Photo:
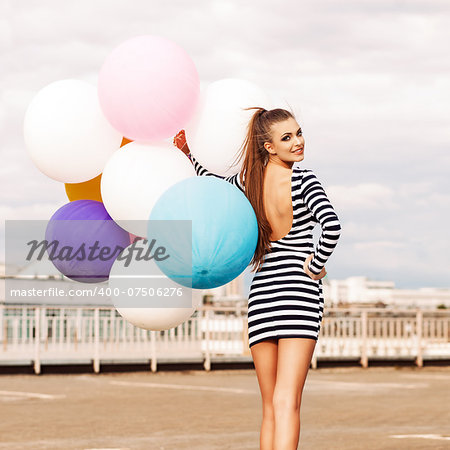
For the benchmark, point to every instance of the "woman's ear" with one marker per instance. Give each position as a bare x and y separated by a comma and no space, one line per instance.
269,147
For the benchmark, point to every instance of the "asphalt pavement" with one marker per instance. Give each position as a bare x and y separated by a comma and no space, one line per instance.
342,408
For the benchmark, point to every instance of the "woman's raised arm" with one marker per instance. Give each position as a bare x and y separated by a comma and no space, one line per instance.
180,142
200,170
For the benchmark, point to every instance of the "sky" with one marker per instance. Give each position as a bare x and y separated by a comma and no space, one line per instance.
369,82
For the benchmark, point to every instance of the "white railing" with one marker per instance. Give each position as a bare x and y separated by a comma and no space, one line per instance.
68,335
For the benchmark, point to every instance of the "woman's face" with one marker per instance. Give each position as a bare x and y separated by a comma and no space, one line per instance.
287,141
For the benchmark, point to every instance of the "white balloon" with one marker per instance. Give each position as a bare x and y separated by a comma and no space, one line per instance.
219,126
66,134
147,298
136,176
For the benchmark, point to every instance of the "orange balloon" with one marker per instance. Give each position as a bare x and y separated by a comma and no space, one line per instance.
88,190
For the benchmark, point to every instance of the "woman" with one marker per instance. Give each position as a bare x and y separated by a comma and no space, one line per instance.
285,305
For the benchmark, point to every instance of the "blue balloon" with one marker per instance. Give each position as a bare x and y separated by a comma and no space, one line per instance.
212,233
84,241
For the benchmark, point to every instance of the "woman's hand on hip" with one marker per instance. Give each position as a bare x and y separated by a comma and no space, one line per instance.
313,276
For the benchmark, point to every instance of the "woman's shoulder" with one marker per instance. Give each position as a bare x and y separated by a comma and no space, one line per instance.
302,171
303,176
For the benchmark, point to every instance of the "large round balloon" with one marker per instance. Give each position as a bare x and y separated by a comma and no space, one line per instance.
209,230
135,177
86,241
88,190
148,88
66,133
218,128
144,296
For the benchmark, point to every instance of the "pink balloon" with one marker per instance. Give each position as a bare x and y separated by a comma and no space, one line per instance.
148,88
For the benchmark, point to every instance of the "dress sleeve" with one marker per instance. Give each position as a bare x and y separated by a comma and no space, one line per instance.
200,170
318,204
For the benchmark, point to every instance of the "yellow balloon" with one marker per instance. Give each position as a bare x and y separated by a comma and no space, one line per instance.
88,190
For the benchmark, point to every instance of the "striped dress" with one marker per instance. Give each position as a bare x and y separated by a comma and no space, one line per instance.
284,302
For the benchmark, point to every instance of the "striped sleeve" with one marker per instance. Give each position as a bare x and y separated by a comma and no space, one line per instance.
200,170
318,204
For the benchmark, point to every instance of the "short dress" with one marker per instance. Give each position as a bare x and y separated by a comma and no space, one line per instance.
284,302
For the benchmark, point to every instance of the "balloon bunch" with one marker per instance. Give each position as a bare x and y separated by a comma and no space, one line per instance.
111,147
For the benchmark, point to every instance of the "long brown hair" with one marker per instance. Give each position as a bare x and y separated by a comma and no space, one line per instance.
255,160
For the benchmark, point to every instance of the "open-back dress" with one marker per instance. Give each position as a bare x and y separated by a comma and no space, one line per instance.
284,302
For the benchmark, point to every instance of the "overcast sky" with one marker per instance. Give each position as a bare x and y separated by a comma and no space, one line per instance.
368,80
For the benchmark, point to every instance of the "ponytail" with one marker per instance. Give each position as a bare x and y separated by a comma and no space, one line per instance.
253,167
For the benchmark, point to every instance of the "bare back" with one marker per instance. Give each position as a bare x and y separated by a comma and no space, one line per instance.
277,198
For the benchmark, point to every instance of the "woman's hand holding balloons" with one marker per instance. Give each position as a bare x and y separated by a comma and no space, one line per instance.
180,142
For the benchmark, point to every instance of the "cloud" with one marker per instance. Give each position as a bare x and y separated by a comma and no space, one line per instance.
369,82
363,196
379,246
366,231
36,211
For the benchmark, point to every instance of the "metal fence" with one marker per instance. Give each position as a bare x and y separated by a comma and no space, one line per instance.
99,335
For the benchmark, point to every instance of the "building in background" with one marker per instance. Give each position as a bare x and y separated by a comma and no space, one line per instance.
359,291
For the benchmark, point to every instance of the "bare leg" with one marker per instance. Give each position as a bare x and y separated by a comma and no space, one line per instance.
264,356
294,358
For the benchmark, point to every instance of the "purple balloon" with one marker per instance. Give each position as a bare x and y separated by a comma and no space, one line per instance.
83,241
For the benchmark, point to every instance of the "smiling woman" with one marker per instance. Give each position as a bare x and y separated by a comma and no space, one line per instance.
285,304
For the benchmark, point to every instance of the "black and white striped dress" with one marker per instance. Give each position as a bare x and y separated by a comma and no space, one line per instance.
284,302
